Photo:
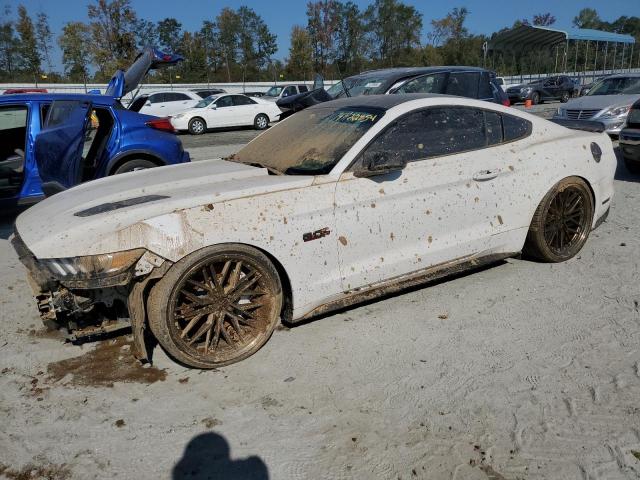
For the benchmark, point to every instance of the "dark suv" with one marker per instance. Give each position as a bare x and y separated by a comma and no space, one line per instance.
471,82
558,87
630,139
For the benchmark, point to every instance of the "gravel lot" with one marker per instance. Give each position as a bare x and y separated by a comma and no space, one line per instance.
519,371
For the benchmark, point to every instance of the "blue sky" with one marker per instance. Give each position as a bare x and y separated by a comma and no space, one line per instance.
485,16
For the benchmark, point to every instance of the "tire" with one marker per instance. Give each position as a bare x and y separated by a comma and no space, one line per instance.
565,97
633,167
230,327
197,126
261,121
535,98
562,222
134,165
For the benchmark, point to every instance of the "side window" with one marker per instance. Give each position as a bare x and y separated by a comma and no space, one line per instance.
224,102
493,125
242,100
463,84
431,133
515,128
291,90
156,98
303,88
175,97
484,90
424,84
62,111
44,110
13,116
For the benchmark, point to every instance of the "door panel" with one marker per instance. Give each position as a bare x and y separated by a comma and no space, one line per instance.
59,145
435,210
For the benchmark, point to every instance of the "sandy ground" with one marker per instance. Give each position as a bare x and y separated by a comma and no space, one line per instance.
519,371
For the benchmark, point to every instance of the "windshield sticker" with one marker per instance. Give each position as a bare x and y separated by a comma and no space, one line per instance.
352,117
373,85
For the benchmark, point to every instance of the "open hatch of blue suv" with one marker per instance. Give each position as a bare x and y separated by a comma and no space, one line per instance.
50,142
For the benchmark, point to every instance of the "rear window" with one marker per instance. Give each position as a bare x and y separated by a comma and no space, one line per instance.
464,84
515,128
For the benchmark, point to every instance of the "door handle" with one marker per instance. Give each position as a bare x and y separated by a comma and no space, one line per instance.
484,175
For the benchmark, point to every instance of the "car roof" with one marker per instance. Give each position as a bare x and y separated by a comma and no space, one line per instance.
410,71
50,97
384,102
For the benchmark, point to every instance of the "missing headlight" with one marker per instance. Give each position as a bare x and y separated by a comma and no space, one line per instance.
596,151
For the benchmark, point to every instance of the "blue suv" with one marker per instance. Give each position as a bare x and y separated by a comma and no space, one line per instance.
50,142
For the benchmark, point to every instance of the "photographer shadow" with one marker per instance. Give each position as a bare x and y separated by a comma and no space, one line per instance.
207,456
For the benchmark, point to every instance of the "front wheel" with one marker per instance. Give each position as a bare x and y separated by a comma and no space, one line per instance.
261,122
562,222
535,98
197,126
216,306
134,165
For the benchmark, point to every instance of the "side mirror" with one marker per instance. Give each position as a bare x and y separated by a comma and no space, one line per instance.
379,163
213,106
148,104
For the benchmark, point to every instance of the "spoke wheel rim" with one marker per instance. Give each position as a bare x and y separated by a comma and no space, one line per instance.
566,223
262,122
221,309
197,126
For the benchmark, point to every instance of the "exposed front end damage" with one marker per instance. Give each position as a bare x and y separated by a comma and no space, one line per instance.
75,295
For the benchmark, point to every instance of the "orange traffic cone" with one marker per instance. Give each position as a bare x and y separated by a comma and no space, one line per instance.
527,104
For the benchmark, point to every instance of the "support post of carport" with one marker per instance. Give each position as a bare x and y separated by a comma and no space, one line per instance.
555,68
631,58
624,48
575,64
595,61
615,53
604,66
586,58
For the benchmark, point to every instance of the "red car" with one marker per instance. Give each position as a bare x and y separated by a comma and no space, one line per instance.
13,91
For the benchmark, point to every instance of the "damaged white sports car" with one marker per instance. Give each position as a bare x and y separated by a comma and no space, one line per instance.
341,202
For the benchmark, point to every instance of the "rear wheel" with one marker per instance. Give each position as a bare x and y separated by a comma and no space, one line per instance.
562,222
261,122
216,306
197,126
134,165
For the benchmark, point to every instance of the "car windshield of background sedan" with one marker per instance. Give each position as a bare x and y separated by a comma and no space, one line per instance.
311,143
616,86
366,85
206,102
273,92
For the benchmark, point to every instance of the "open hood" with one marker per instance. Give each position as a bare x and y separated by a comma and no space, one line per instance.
149,59
294,103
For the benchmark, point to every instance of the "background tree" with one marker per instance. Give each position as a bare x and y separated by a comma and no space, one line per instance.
113,25
169,34
322,24
28,52
8,46
394,30
300,61
351,47
44,37
587,18
147,34
544,19
74,43
228,24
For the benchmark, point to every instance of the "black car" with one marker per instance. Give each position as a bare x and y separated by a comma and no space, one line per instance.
471,82
630,139
559,87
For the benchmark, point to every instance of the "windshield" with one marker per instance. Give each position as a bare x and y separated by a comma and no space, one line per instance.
616,86
365,85
206,102
312,142
273,92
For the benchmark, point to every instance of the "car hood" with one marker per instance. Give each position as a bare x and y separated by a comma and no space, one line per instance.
99,216
600,102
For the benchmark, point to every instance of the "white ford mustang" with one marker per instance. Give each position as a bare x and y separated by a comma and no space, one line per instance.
341,202
219,111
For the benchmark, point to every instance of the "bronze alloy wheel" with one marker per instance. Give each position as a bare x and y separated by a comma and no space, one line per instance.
220,307
566,222
562,222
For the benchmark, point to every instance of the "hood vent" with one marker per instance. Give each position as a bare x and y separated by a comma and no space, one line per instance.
110,207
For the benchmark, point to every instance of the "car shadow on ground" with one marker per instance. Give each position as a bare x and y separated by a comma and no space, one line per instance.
7,221
207,456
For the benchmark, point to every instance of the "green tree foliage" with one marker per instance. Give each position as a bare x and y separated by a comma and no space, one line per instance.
544,19
113,25
44,36
587,18
8,46
300,61
28,53
74,43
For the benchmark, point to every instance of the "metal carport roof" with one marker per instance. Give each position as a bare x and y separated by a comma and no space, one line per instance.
532,36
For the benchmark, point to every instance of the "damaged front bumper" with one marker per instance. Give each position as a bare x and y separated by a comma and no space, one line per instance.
73,295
